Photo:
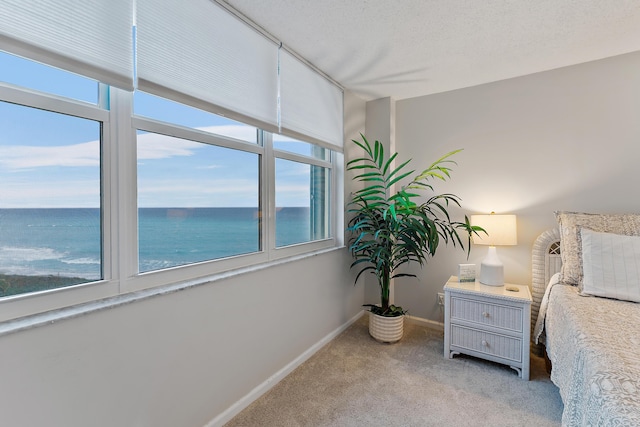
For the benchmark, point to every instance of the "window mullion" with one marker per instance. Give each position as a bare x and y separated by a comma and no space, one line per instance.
336,200
150,125
302,159
107,173
268,194
124,251
51,102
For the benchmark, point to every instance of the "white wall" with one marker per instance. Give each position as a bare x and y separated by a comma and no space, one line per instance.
566,139
180,359
379,126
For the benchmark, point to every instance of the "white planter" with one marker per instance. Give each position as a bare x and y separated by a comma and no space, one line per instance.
386,329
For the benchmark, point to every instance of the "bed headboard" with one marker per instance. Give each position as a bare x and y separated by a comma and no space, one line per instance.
545,263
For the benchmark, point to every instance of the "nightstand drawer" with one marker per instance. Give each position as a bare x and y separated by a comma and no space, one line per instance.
489,322
487,343
484,313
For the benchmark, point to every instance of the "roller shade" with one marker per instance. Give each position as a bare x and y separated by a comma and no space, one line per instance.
89,37
310,105
199,54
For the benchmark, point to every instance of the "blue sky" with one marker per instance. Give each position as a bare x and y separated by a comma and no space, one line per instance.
52,160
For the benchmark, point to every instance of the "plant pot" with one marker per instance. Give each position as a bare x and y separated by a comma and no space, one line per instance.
386,329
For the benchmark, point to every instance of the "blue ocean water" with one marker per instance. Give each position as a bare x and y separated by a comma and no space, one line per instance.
66,242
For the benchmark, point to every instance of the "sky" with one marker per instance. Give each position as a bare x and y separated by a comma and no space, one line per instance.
53,160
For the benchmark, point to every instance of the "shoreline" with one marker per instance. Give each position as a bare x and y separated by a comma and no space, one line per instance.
15,284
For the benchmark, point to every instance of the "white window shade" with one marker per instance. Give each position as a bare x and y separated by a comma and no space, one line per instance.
88,37
310,105
199,54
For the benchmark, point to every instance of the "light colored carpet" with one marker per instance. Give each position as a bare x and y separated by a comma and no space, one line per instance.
356,381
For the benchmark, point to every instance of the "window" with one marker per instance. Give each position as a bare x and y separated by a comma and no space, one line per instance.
199,193
196,202
50,185
283,143
106,190
162,109
302,186
198,196
33,75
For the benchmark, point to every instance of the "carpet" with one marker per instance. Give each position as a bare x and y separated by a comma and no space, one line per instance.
356,381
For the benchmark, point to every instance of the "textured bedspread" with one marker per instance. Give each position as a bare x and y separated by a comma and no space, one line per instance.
594,346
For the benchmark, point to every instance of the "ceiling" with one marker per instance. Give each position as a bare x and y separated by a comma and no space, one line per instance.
409,48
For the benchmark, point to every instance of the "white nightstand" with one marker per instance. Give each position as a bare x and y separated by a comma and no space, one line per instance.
491,322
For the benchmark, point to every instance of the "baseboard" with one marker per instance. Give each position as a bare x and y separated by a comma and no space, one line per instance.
254,394
425,322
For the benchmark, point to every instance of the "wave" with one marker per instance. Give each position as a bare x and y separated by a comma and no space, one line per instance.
44,261
13,254
81,261
27,270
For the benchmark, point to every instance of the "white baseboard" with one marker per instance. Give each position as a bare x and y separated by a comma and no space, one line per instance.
425,322
254,394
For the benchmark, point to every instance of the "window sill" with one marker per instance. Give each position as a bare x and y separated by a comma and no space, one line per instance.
41,319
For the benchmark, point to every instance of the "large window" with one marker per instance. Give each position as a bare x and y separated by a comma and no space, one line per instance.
113,182
199,188
302,182
198,198
302,192
196,202
50,184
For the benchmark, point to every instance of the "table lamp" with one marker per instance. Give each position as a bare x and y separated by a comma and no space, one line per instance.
501,231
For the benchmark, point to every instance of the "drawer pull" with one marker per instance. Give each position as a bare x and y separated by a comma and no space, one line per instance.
485,314
485,343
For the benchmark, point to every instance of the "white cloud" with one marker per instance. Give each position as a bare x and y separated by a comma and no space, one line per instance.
150,146
213,192
64,188
28,157
54,193
155,146
285,168
214,186
209,167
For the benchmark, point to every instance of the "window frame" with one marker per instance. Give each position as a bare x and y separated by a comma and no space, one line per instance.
264,148
285,251
137,280
34,302
119,203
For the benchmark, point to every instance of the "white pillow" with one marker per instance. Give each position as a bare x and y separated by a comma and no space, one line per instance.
611,265
570,224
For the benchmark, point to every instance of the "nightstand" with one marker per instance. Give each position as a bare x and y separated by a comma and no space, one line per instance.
490,322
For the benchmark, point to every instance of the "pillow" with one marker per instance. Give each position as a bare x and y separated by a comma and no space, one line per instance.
570,224
611,265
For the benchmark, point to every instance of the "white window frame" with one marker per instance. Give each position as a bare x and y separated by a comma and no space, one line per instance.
330,241
138,281
119,204
30,303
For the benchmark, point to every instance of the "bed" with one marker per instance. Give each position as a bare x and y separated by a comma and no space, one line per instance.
586,291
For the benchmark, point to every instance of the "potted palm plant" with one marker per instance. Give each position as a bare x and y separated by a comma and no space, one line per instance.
389,229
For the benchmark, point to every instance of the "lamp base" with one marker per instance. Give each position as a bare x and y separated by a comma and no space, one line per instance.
491,275
491,269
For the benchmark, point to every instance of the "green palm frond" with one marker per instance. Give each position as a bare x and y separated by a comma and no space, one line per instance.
389,230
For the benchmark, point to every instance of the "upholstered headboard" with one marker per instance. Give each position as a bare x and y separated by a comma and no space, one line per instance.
545,263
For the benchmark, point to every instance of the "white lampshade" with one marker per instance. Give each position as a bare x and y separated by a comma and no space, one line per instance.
501,231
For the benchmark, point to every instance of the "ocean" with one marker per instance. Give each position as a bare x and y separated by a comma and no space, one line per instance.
66,242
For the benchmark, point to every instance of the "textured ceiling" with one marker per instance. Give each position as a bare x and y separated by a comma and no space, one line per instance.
408,48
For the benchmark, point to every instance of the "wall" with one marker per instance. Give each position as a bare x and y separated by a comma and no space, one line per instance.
181,359
379,126
566,139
